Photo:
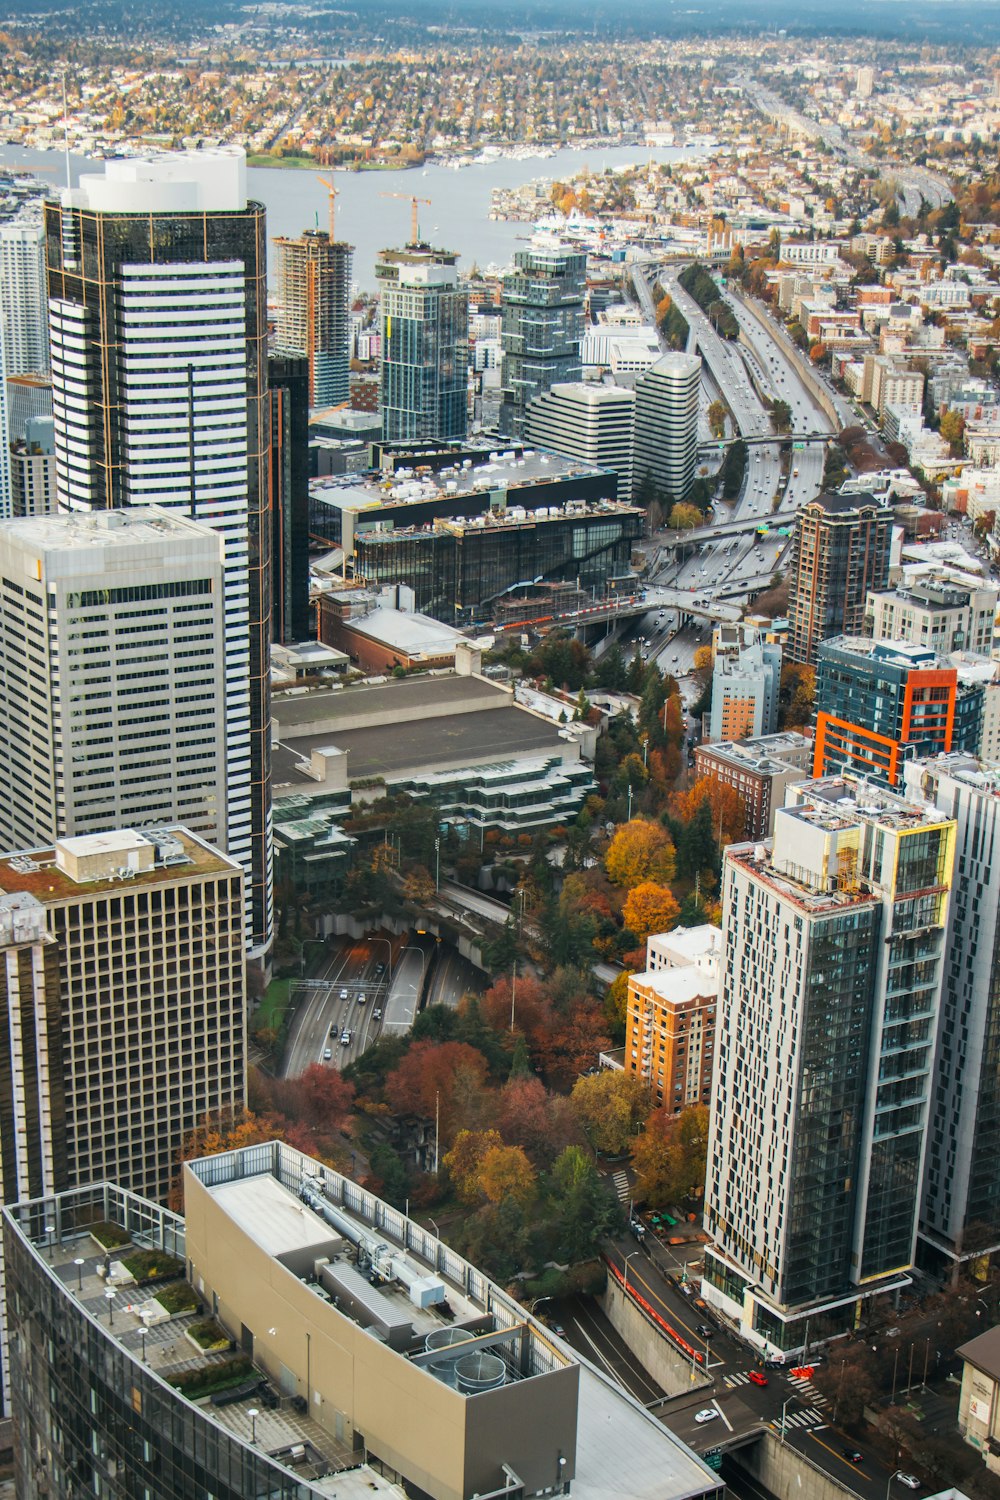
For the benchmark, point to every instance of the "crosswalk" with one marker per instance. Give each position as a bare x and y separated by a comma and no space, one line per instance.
806,1388
810,1418
620,1180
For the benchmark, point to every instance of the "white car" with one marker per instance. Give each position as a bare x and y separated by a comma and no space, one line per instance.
708,1415
343,994
910,1480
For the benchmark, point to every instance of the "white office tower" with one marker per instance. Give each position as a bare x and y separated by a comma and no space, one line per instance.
593,423
960,1219
24,324
112,659
666,426
6,494
833,945
158,314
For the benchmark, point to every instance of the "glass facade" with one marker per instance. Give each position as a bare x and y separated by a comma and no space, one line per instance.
289,477
840,552
425,346
542,325
458,573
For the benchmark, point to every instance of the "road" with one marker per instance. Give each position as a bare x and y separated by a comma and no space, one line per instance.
349,970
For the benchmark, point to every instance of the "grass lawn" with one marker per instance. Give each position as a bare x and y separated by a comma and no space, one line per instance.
283,162
271,1010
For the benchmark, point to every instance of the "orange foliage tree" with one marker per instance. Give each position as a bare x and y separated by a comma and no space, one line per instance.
640,850
727,807
650,907
437,1078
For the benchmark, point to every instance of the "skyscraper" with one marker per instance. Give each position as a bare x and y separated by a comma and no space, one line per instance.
960,1217
158,314
425,345
112,661
840,553
313,285
288,380
5,479
594,423
666,426
833,949
541,327
745,682
24,324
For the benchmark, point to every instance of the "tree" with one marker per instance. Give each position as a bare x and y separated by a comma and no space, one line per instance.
781,416
506,1173
685,517
697,850
650,908
670,1158
728,810
437,1078
418,887
463,1161
583,1210
952,429
609,1105
324,1097
717,419
796,695
640,850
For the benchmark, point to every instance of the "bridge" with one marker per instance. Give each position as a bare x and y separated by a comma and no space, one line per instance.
603,611
766,440
741,527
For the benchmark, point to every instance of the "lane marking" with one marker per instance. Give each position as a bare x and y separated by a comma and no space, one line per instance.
854,1468
715,1403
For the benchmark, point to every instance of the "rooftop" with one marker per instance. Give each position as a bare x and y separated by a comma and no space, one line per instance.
44,873
405,699
678,986
984,1352
411,633
103,530
503,471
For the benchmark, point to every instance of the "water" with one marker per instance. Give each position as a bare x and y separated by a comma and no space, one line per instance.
456,219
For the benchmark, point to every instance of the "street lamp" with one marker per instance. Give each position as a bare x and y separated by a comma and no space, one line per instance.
631,1255
888,1486
784,1407
253,1414
79,1263
373,937
50,1232
110,1295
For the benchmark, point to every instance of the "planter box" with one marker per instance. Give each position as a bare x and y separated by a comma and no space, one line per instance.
153,1313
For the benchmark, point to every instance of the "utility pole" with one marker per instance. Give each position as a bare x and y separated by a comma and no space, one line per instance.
437,1128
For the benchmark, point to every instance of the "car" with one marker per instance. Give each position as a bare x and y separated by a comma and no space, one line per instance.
853,1455
343,994
637,1230
708,1415
756,1378
327,1054
345,1038
362,998
910,1480
377,1013
705,1330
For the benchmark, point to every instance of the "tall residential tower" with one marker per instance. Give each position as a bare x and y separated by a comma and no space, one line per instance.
541,327
840,554
666,426
313,284
158,315
424,387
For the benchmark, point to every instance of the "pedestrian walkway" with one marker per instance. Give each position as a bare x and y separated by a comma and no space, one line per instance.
620,1180
810,1418
739,1379
806,1388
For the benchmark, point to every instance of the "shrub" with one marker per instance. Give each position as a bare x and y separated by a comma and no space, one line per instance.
153,1265
213,1377
208,1334
110,1236
179,1298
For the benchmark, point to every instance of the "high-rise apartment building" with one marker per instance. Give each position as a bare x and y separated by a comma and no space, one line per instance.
424,382
24,324
313,287
666,425
960,1217
158,316
833,951
28,396
946,612
759,771
864,83
33,470
840,554
288,382
746,680
670,1016
541,327
112,661
5,480
594,423
123,978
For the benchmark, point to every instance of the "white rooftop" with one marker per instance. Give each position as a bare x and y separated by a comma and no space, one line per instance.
676,986
116,841
412,633
102,529
271,1215
686,945
176,182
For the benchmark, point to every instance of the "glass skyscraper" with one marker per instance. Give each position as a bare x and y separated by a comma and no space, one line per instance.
541,327
425,345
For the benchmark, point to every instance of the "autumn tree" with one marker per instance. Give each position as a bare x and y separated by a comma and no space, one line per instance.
796,695
650,907
506,1173
717,419
684,517
609,1105
321,1098
640,850
438,1080
953,431
728,810
463,1161
670,1157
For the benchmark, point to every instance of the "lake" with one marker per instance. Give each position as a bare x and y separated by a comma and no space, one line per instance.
456,219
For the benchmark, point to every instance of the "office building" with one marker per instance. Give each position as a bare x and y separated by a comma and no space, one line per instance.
594,424
313,291
143,1005
979,1398
833,949
24,327
158,316
6,497
666,426
112,647
865,83
670,1016
460,571
745,686
405,1369
459,482
960,1217
424,382
759,771
840,554
879,704
288,384
942,610
541,327
33,470
27,396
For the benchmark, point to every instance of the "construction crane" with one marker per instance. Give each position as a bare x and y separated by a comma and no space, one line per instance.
334,194
413,201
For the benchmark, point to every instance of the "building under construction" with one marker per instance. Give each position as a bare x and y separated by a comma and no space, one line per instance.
313,274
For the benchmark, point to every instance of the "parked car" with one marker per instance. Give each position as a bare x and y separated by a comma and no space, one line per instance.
757,1378
708,1415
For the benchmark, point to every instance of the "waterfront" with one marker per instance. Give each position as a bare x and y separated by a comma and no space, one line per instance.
457,217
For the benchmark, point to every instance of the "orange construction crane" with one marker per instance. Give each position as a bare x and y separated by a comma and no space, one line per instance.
413,201
334,194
